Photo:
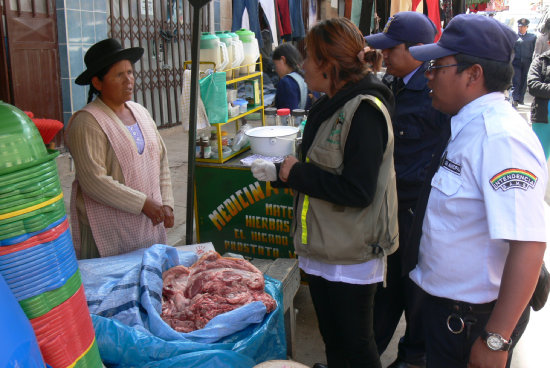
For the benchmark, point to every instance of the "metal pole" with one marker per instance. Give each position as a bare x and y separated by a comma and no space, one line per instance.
197,5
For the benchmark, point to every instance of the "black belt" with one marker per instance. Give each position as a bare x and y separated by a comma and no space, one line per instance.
464,307
462,315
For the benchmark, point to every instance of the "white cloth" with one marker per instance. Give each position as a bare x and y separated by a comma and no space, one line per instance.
369,272
489,189
264,170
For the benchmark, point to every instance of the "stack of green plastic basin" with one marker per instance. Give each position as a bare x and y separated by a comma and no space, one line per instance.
37,258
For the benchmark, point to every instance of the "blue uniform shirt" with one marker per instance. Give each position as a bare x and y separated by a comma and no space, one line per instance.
417,130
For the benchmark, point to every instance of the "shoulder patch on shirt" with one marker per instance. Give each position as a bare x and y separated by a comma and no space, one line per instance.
513,178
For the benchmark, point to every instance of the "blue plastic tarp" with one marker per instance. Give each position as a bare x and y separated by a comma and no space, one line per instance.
124,297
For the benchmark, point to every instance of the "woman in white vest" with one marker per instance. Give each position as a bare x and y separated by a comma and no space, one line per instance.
292,89
122,194
345,204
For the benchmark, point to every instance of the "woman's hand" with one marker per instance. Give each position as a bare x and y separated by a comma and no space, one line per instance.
286,166
154,211
168,216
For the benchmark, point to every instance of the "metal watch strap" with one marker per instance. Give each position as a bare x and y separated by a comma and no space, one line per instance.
506,344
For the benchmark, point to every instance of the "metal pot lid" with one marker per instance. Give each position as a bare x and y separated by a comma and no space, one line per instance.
272,131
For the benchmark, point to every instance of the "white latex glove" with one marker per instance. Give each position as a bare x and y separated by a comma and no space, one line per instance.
264,170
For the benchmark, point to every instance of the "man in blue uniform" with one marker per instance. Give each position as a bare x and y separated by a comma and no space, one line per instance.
418,128
483,234
523,49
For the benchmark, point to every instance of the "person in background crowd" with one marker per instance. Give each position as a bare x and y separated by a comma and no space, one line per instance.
523,55
122,193
292,90
542,45
417,128
538,82
343,180
483,236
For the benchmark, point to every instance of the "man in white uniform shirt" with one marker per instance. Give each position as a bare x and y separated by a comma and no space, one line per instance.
483,234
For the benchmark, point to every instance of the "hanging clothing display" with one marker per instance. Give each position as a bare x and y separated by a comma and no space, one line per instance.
447,10
251,7
284,17
433,14
383,11
268,7
296,20
365,19
356,12
397,6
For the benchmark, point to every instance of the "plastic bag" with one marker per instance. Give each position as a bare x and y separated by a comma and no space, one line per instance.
202,119
214,97
123,294
241,139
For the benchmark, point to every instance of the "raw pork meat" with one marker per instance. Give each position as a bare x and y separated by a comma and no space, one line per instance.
191,297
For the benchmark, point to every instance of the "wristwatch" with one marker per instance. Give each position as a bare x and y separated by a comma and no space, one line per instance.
495,341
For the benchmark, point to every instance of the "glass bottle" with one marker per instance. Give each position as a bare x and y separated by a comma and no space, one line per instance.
270,116
283,116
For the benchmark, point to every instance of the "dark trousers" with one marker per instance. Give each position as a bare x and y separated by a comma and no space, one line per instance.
344,314
519,81
400,295
450,350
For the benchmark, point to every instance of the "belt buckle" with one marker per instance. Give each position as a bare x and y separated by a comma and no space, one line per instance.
459,318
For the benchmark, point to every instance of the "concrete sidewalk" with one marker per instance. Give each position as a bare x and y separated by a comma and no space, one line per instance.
531,351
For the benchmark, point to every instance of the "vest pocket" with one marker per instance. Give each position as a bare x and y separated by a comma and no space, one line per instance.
330,157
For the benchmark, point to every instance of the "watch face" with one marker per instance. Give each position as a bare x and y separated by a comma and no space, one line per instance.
494,342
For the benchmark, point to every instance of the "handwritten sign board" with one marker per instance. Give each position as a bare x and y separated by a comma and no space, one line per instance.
239,214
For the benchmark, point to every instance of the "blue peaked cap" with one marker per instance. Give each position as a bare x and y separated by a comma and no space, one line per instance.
473,35
406,26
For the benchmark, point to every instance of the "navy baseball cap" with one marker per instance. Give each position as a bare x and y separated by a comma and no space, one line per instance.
523,22
473,35
406,26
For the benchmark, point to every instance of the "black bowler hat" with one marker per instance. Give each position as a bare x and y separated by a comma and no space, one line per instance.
523,22
103,54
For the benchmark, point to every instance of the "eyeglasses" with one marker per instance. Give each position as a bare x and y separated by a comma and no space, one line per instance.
431,67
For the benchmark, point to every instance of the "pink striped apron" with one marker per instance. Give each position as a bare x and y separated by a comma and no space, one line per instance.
115,231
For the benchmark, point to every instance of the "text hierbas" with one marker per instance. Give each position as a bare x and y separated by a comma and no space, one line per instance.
271,226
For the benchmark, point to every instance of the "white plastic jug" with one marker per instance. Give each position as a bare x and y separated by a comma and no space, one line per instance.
237,45
213,50
234,52
251,50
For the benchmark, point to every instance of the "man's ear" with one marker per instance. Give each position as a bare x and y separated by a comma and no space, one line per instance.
475,74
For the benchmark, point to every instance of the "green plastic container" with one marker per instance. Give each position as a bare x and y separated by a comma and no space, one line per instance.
20,141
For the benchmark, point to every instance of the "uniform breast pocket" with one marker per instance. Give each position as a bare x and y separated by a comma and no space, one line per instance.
443,205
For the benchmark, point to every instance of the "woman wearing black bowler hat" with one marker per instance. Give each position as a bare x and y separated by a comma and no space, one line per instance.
122,194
